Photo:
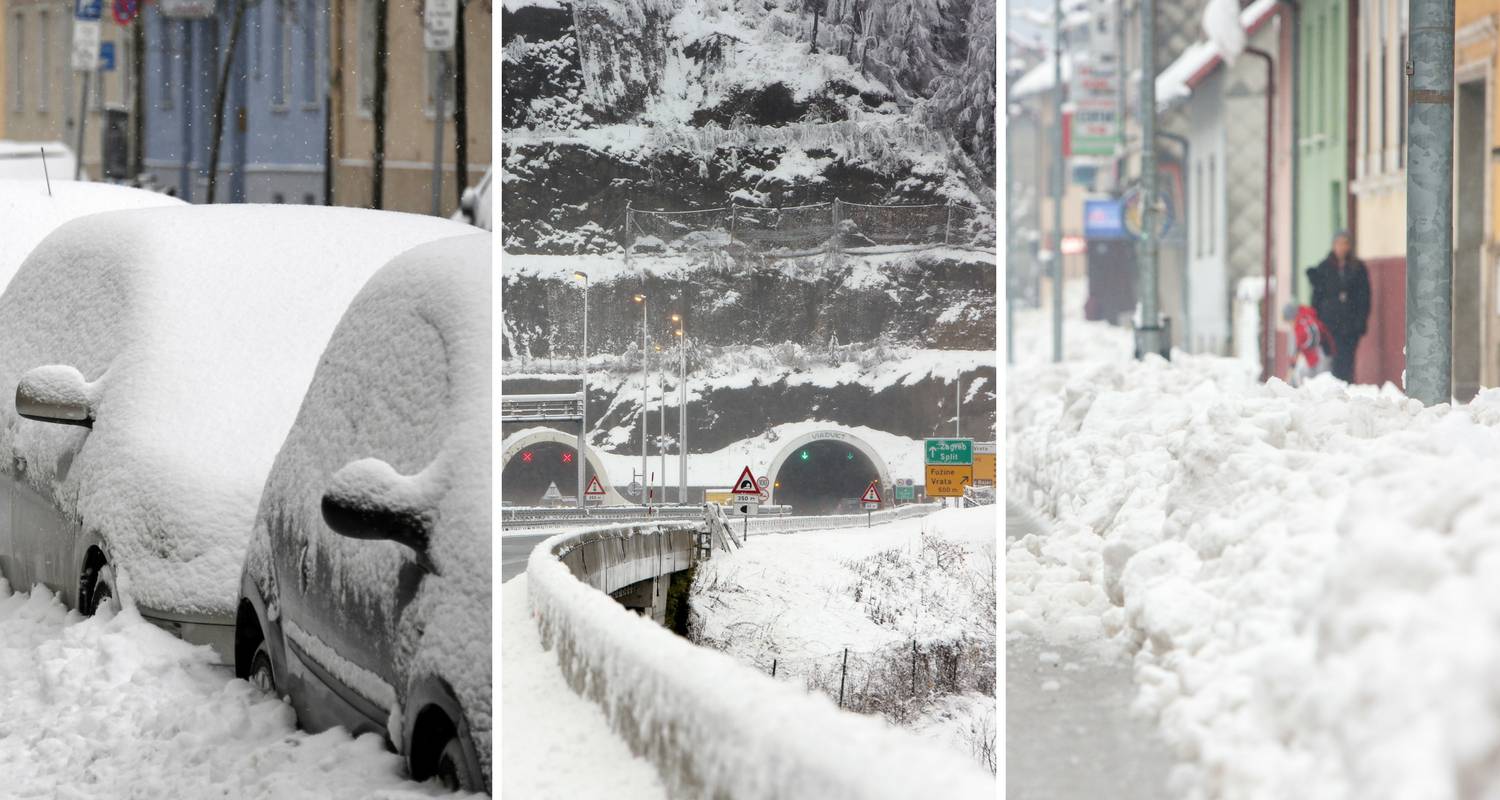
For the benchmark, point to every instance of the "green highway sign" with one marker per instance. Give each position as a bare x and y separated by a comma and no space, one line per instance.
949,451
906,492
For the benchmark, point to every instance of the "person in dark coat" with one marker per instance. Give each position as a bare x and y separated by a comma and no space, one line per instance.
1341,296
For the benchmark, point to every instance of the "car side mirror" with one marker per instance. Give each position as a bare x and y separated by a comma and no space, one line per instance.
369,499
56,393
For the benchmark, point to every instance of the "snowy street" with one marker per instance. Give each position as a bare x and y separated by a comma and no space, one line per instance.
114,707
1303,578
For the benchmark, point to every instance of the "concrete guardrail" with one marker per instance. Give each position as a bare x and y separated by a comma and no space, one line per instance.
712,726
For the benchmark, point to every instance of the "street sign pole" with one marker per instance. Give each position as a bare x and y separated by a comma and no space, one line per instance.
1429,204
83,116
1148,333
437,136
439,26
1057,188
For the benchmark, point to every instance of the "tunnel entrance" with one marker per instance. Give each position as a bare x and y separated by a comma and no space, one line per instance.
525,477
824,477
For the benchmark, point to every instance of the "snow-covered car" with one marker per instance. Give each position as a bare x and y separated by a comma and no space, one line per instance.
366,594
40,161
157,359
31,209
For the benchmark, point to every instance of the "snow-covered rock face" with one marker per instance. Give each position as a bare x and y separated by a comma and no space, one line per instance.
197,330
1309,575
396,421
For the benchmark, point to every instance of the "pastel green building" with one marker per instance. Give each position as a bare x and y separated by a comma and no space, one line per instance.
1322,192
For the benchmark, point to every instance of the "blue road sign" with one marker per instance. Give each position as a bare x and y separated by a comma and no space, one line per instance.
106,56
1104,219
88,9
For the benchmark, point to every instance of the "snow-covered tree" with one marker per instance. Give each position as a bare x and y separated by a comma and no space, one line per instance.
963,99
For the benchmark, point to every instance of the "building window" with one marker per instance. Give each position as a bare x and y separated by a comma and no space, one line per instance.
310,54
1212,198
433,72
1401,109
367,55
18,53
168,59
1364,98
1197,191
279,77
127,97
44,65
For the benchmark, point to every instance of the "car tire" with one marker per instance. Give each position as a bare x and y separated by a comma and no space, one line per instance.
262,676
452,769
101,591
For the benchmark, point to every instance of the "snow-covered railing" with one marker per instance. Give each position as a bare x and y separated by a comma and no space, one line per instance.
603,514
760,526
612,557
715,727
835,227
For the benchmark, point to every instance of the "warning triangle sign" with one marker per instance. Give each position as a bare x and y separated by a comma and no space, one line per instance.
595,488
552,493
746,484
872,493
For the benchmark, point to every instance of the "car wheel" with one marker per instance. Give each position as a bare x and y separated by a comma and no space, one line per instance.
452,770
261,675
101,592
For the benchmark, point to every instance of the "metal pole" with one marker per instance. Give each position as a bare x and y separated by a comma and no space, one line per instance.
1429,203
1057,187
83,117
1120,82
958,408
1148,335
437,144
661,421
1268,326
583,425
682,416
645,420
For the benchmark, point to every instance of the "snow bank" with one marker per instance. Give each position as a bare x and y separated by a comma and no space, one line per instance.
715,727
30,212
200,327
1308,575
112,706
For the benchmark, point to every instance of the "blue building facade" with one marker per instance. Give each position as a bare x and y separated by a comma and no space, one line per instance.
273,147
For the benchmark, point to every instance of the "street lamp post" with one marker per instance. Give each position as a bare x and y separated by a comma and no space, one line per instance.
583,424
645,360
661,419
681,411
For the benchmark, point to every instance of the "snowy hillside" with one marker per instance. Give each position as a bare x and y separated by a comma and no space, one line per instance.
692,104
912,601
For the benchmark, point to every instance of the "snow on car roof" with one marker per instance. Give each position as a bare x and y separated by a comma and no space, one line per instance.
406,379
31,211
200,327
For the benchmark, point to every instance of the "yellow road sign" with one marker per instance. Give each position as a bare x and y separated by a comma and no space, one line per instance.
948,480
984,467
711,496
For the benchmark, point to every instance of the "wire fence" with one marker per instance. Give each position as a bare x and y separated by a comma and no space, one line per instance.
835,227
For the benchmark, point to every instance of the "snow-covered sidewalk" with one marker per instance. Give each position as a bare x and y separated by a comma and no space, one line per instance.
113,707
1309,575
557,745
